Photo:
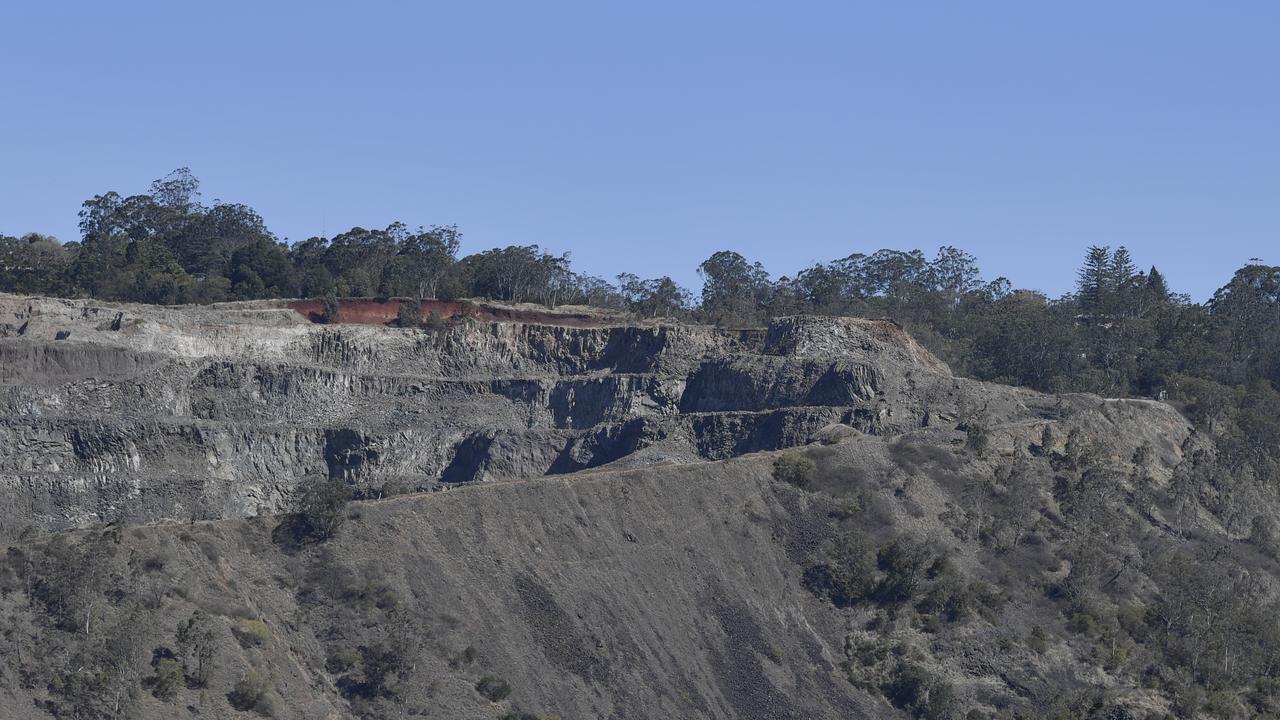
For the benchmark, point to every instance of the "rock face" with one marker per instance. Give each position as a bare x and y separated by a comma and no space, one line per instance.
614,543
142,414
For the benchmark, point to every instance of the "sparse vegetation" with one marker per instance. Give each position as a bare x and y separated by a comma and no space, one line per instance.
494,688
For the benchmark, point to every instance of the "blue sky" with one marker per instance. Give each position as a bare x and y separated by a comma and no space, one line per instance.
645,136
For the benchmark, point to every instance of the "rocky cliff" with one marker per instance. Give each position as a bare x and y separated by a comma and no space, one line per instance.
141,414
614,542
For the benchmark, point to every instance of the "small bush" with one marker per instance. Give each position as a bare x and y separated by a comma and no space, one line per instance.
251,632
435,322
1048,440
371,670
409,314
795,469
167,678
332,313
250,692
493,687
916,690
848,576
319,509
1264,535
1038,640
977,437
1133,619
906,564
341,660
196,648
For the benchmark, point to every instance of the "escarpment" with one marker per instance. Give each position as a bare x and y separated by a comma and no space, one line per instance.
644,520
139,414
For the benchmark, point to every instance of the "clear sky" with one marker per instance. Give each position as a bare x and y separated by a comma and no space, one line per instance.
644,136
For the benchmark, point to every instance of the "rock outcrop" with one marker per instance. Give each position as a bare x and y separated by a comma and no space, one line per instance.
122,413
616,541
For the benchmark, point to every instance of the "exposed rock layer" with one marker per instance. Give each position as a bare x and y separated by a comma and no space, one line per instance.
143,414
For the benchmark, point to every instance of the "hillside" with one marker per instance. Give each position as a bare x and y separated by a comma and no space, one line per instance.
588,516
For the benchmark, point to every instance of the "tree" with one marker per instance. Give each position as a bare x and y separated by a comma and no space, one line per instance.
150,274
734,291
1249,310
424,258
1121,268
954,272
1122,275
1157,286
196,646
653,298
261,269
332,308
320,507
179,190
167,676
518,274
409,314
33,263
68,579
1094,281
360,260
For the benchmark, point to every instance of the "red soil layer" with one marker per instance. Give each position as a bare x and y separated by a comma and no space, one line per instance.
378,311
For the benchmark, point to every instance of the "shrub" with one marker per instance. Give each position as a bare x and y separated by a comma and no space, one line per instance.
905,564
1264,535
167,677
251,632
977,437
435,322
1038,640
1133,620
332,312
250,692
196,644
319,509
1085,620
913,456
341,660
379,663
847,578
795,469
409,314
1048,440
916,690
368,670
1081,453
493,687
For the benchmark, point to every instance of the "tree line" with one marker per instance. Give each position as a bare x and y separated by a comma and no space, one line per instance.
1123,332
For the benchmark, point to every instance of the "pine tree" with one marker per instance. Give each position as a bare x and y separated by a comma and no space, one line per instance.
1093,280
1157,287
1121,273
1121,267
